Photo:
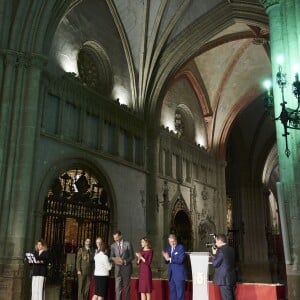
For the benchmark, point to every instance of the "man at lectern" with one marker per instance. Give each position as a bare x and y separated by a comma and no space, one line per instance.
224,263
175,257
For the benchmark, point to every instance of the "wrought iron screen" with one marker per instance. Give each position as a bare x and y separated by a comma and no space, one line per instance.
76,208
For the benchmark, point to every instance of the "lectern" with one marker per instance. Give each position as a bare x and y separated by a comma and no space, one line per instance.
199,263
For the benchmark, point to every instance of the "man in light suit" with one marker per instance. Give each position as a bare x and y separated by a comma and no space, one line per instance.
224,263
121,253
175,257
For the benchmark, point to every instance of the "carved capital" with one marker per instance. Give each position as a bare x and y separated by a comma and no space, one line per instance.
9,58
268,3
23,59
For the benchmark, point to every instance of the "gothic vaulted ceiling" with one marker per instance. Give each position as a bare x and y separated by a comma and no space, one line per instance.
220,47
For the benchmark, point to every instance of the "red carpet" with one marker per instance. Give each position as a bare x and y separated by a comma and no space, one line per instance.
244,291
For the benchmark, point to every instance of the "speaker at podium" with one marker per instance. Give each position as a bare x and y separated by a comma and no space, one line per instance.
199,264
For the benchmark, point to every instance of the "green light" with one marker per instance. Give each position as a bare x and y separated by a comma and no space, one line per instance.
280,59
267,84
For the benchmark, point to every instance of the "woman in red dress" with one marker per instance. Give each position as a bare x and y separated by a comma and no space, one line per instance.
144,259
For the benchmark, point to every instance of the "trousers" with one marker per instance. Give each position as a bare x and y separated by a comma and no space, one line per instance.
38,288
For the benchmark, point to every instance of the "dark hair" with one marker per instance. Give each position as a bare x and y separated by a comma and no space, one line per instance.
147,241
118,232
221,237
103,247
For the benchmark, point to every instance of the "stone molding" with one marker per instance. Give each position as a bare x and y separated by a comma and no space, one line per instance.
190,151
23,59
70,88
268,3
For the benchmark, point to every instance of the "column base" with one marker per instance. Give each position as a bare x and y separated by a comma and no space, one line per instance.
293,287
254,272
12,280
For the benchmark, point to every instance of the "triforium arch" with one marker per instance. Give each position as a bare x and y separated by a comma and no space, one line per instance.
181,223
77,203
181,226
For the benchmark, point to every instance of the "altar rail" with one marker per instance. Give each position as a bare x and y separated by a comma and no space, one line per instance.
244,291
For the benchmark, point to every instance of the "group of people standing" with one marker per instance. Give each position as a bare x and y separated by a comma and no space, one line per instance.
101,260
98,262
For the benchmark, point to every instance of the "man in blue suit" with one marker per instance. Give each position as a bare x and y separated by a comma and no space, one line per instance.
224,263
175,256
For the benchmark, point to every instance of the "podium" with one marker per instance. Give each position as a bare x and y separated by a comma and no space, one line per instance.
199,263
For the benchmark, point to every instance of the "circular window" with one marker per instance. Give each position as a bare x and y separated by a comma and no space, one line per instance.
94,68
184,122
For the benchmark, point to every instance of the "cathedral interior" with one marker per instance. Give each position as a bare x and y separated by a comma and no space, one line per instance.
150,116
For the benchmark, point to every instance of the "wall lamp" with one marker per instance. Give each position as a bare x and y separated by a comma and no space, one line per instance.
289,118
165,195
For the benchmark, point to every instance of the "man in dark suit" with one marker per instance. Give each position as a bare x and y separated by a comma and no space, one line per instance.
84,268
224,263
175,257
121,253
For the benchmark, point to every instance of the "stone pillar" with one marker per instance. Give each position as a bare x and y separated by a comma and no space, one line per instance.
285,40
101,133
20,114
179,175
151,199
255,266
116,140
220,197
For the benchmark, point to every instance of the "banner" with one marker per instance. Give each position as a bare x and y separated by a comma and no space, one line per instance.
199,263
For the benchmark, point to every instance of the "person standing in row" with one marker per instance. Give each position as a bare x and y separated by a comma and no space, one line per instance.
121,253
84,267
102,268
223,261
144,259
39,270
175,257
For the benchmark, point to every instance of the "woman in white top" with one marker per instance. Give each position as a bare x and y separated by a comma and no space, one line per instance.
101,273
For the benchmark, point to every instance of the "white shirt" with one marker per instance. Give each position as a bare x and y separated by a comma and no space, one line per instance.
102,264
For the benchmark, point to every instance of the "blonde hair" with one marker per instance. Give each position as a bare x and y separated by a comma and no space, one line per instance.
42,242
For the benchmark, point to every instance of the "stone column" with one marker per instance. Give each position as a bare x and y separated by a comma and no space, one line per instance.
255,265
101,133
152,165
20,88
220,197
285,40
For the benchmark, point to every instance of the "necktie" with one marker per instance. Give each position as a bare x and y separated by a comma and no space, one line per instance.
172,250
120,248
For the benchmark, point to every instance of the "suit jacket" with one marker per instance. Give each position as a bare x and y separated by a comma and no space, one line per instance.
84,261
177,269
126,254
224,263
41,269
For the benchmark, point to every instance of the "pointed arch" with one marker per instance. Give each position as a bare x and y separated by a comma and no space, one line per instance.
59,167
199,91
